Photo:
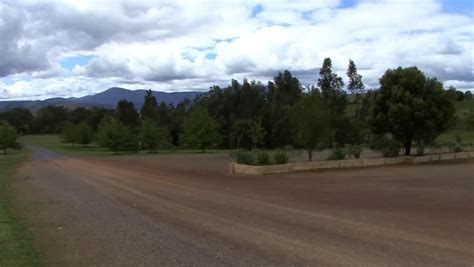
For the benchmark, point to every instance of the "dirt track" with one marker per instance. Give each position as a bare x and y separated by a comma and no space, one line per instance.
185,210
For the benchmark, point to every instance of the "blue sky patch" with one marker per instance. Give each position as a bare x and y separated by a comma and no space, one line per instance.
9,80
465,7
255,10
70,62
211,55
348,3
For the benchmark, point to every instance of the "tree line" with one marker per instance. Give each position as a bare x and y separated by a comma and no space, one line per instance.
408,109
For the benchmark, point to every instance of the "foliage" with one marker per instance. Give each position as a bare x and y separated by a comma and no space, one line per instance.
115,136
355,86
263,158
388,146
50,120
257,133
470,120
287,90
8,137
148,110
456,146
348,131
200,130
312,123
20,118
153,137
80,133
127,114
337,154
468,95
353,150
241,133
332,93
280,157
247,158
411,107
78,115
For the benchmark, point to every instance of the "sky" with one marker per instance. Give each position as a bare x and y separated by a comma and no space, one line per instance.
76,48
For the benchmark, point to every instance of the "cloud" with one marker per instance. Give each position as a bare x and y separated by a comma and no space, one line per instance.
183,45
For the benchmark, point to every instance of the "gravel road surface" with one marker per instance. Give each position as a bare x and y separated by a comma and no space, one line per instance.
185,210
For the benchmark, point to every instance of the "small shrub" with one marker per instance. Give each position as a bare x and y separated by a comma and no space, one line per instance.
392,148
353,150
246,158
280,157
387,146
263,158
456,146
337,154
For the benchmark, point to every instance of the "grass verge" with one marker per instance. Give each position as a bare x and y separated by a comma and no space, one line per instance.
16,248
467,136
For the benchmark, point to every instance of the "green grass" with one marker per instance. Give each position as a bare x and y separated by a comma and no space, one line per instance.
53,142
467,136
464,106
16,248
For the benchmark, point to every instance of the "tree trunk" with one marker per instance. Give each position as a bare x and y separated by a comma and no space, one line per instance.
407,148
310,154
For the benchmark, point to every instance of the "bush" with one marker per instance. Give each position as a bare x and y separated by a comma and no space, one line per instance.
337,154
387,146
456,146
263,158
246,158
353,150
280,157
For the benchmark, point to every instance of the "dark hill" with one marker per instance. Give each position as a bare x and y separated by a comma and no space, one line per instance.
107,98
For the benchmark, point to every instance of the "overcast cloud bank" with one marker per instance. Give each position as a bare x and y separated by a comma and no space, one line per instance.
75,48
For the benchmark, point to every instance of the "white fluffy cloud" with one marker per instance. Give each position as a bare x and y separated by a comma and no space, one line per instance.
191,45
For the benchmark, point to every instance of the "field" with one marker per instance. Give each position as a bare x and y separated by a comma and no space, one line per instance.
16,248
177,209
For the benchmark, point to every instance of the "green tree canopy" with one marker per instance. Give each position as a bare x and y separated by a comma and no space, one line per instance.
312,123
152,137
8,137
355,86
411,107
80,133
257,133
20,118
127,114
50,120
332,94
148,110
114,135
200,130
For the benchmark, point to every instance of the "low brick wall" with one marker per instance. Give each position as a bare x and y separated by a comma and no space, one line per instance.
338,164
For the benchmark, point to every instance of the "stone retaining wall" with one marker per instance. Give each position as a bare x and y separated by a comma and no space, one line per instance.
348,163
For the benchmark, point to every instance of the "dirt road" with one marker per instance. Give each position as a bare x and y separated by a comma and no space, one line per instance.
174,210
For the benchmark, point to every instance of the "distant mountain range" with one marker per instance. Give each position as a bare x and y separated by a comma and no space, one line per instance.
107,98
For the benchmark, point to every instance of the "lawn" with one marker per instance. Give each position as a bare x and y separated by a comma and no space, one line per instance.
467,136
53,142
16,247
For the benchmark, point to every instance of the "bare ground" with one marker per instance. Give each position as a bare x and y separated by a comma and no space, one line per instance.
171,210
